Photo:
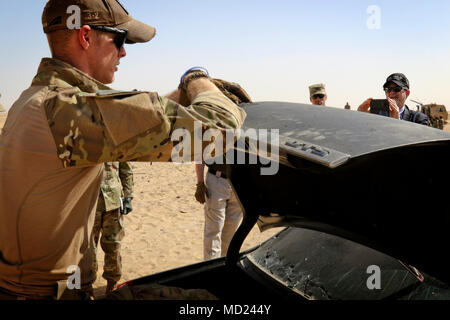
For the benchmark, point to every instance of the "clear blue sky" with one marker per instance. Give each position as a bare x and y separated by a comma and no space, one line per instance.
274,49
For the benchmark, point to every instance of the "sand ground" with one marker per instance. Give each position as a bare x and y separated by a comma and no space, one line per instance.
165,229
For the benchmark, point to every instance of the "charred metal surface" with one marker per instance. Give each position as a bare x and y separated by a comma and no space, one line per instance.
322,266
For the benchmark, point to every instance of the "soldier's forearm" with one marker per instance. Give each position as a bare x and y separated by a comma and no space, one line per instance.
199,85
200,171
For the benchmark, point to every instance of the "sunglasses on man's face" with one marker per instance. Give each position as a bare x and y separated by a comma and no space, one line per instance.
321,96
119,39
395,89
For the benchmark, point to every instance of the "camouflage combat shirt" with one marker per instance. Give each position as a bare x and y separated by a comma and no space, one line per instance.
55,139
117,182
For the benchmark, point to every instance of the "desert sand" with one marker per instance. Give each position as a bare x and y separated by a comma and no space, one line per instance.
165,228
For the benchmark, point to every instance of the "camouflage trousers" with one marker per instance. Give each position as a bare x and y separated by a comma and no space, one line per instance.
110,225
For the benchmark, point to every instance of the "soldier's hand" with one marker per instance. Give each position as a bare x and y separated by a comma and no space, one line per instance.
201,192
127,207
232,91
365,106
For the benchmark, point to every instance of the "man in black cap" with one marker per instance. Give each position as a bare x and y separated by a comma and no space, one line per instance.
397,91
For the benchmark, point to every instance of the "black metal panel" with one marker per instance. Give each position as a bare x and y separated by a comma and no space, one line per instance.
387,200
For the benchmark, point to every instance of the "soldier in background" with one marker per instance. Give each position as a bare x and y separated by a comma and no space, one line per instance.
317,94
116,193
347,106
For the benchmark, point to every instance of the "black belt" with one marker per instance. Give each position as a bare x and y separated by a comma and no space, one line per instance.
214,172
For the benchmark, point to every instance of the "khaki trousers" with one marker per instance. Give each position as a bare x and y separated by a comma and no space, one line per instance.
223,215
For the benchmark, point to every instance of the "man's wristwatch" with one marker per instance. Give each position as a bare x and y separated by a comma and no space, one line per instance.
191,74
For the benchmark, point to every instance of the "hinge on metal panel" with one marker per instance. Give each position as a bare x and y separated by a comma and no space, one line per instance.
324,156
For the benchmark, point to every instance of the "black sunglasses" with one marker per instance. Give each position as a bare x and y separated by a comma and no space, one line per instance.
319,95
119,39
395,89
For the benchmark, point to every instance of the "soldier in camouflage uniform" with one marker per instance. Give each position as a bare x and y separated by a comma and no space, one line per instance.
65,126
116,193
317,94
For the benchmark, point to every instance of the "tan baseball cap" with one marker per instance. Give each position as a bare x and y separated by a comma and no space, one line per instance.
317,89
58,14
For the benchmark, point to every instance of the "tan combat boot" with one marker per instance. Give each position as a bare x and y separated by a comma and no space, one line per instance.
110,286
